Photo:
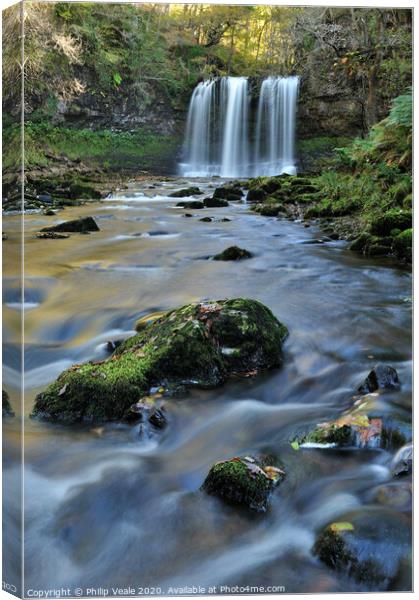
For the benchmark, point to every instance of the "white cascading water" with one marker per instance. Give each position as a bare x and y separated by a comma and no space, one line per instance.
235,148
275,127
199,135
219,139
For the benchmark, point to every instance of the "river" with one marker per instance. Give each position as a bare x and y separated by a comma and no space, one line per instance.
119,506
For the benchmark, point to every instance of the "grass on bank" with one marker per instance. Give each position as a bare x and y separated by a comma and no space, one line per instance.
110,150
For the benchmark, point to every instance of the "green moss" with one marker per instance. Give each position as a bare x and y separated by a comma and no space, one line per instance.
392,219
113,150
403,245
190,346
333,434
270,209
243,481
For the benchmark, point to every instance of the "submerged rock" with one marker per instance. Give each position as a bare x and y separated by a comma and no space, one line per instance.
6,407
245,481
382,377
233,253
206,219
369,545
82,225
198,345
191,191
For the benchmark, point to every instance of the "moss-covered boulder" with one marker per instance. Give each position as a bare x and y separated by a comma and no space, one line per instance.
231,192
82,225
198,345
185,192
392,219
6,407
245,481
215,202
368,545
257,194
233,253
270,209
403,245
381,377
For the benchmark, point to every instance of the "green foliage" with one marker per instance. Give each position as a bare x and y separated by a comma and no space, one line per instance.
116,150
401,112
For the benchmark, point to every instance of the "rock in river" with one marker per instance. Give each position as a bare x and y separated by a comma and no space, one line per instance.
233,253
355,429
198,345
244,481
382,377
185,192
6,408
369,545
215,202
82,225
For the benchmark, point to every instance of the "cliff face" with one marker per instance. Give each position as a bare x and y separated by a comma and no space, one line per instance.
118,112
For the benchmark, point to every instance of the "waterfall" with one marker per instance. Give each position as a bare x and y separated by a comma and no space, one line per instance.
220,139
234,95
275,126
199,139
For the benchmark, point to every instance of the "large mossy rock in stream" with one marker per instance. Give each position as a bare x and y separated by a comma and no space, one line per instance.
246,481
369,545
82,225
6,407
185,192
198,345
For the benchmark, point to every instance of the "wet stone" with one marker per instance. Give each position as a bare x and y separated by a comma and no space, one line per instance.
243,480
233,253
382,377
82,225
6,406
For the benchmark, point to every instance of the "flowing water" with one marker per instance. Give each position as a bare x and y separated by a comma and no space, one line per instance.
119,506
225,136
